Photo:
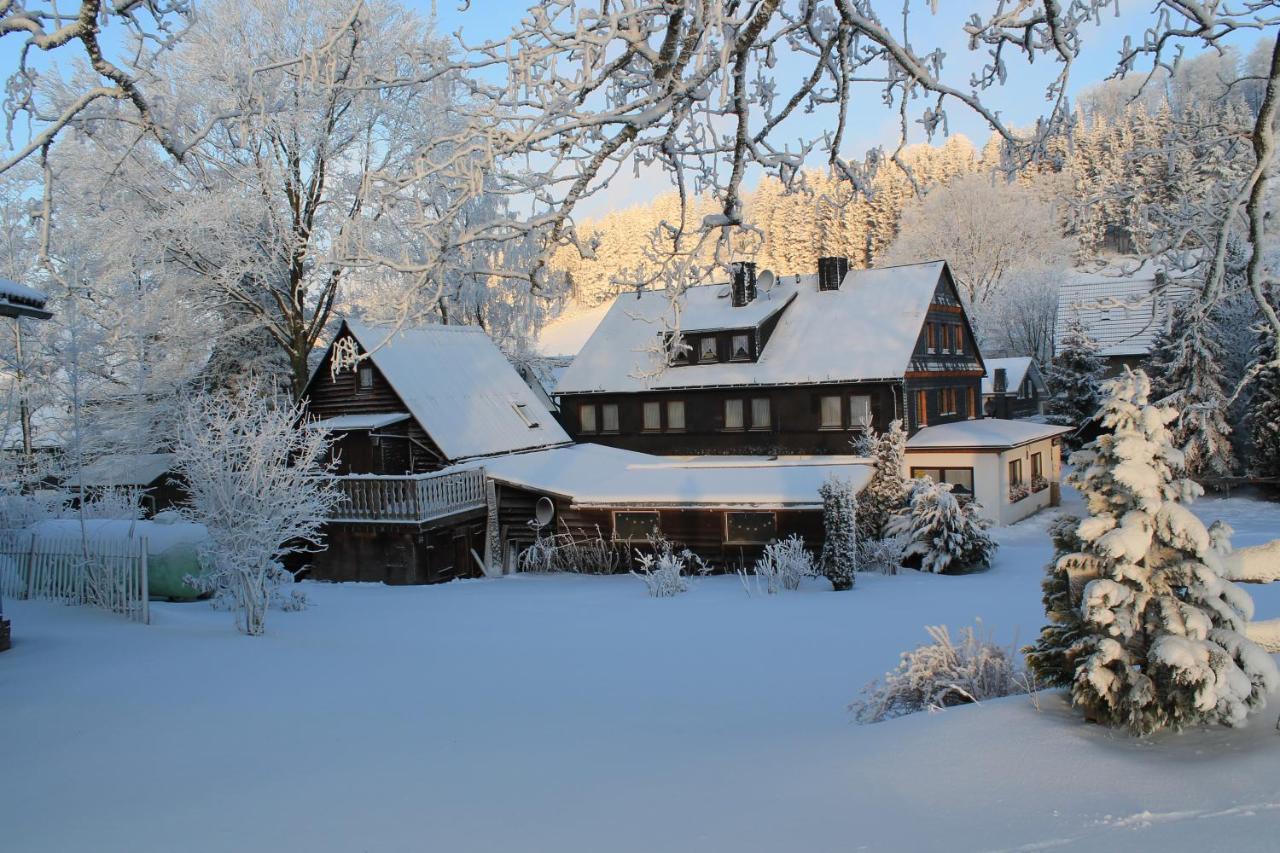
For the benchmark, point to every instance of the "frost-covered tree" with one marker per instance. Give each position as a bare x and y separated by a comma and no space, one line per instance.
1262,415
840,532
887,492
1188,363
1144,628
1073,378
941,533
257,481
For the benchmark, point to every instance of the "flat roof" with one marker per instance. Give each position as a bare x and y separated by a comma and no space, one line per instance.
983,433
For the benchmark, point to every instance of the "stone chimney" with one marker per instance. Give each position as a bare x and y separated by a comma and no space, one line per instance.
831,271
1000,382
744,283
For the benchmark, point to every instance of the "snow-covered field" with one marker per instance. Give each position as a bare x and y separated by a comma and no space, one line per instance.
576,714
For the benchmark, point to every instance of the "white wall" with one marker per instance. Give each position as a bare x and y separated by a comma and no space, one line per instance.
991,476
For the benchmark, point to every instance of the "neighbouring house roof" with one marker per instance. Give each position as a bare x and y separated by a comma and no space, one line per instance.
460,388
566,335
595,475
1122,315
1015,369
18,300
124,469
356,423
982,433
867,329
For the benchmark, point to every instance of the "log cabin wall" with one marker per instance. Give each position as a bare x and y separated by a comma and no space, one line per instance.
795,419
944,380
399,554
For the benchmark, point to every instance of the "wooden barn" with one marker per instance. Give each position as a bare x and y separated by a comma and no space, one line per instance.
796,364
413,422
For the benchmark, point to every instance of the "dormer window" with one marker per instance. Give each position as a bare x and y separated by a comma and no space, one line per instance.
707,349
680,350
741,347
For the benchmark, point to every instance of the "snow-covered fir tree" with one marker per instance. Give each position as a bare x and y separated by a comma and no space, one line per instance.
887,491
1187,366
1145,630
1262,415
840,542
943,534
1073,378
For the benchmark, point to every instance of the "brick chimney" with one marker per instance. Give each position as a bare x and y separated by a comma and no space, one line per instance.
1000,382
744,283
831,271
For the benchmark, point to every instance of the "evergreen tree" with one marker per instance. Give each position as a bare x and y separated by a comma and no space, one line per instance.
940,532
1188,361
1262,417
840,542
1072,380
1144,628
886,494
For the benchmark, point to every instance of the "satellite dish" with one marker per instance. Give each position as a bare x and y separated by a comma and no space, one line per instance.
544,511
766,281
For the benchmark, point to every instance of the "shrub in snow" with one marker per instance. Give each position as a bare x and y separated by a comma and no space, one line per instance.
887,492
1072,380
840,542
783,565
574,554
943,674
121,503
940,533
880,555
1144,628
662,571
256,482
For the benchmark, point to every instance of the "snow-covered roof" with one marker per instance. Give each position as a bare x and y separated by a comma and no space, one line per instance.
1015,370
565,335
350,423
460,389
865,330
1122,315
595,475
125,469
985,433
18,300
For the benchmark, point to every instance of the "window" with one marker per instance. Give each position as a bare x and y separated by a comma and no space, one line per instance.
761,414
707,349
750,528
675,415
741,347
652,417
609,417
587,418
947,401
1024,390
1015,472
634,525
1037,466
922,408
522,409
961,479
959,346
931,332
831,413
972,400
680,350
860,411
365,377
946,337
733,414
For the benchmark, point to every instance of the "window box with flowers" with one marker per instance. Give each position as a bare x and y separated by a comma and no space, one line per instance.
1018,491
1039,484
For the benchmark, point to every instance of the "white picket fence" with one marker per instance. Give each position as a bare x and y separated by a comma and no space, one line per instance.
105,572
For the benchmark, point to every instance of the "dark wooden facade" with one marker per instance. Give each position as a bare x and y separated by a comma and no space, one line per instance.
401,553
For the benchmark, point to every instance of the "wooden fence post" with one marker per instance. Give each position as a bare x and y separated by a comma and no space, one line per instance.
31,567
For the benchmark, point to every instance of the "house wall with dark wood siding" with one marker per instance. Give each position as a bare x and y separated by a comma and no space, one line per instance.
700,530
795,415
398,553
940,372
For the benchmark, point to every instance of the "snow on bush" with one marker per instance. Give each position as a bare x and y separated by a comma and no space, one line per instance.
943,674
257,484
940,533
574,554
785,564
1144,627
113,503
663,571
840,542
880,555
887,492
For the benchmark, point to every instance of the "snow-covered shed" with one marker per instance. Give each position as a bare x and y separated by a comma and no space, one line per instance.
18,300
150,475
723,508
776,364
1122,313
1012,387
1012,468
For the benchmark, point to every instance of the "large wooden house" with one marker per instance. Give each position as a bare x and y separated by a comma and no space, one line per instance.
413,422
795,364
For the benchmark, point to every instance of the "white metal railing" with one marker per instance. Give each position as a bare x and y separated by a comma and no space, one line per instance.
109,573
411,498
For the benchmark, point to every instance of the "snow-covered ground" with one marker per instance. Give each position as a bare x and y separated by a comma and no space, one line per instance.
544,713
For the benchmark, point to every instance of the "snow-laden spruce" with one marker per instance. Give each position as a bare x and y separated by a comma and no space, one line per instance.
1073,379
1262,415
1144,628
941,533
840,532
887,491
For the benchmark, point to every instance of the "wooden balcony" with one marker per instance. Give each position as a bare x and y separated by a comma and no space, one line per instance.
415,499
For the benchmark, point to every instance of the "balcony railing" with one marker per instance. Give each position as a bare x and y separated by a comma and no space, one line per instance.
412,499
